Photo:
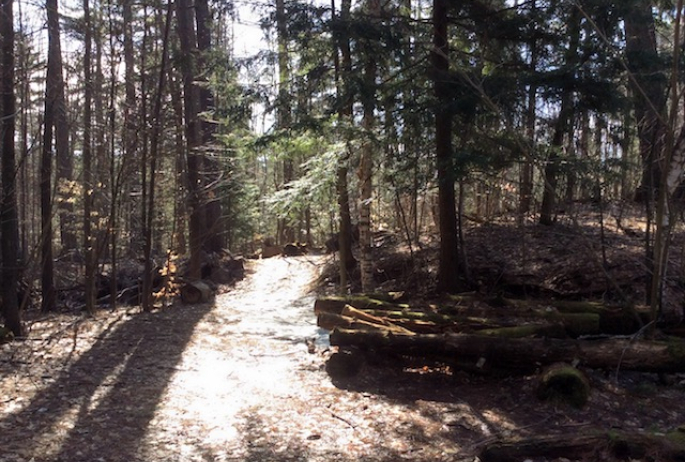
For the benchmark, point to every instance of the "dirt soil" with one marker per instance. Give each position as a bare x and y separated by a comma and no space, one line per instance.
243,379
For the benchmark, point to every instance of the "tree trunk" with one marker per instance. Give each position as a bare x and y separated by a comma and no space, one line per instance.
154,154
448,269
673,166
648,84
9,221
561,127
347,260
88,186
526,168
284,116
65,161
191,98
214,239
366,161
179,238
48,302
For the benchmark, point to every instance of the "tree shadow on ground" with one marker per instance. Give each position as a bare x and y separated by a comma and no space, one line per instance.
107,398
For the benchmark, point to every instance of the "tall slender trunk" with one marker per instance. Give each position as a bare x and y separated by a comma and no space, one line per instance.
526,172
48,302
130,116
88,185
366,161
648,85
179,237
191,98
154,154
672,169
65,162
347,260
561,127
448,268
283,109
115,175
214,239
9,221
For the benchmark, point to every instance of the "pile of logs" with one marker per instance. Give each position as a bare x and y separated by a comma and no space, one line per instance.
555,339
511,336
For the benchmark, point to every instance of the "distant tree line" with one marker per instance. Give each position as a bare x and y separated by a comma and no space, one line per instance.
139,137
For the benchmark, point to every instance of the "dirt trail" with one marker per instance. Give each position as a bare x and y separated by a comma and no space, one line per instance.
235,381
229,382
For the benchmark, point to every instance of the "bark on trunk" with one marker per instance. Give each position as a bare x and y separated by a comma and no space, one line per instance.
51,87
88,184
9,221
366,161
347,260
449,233
191,96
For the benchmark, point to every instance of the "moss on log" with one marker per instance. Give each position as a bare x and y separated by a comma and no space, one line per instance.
563,383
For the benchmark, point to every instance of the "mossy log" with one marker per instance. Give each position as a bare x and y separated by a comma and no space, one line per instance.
525,355
564,383
617,320
621,445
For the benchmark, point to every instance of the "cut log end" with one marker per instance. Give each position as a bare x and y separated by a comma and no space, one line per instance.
344,364
195,292
564,383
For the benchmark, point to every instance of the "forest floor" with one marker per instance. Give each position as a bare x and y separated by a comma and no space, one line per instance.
243,379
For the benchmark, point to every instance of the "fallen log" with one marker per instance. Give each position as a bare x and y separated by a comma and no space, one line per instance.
617,320
622,445
548,324
524,355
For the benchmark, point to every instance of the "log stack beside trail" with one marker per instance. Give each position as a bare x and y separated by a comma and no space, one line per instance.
499,335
